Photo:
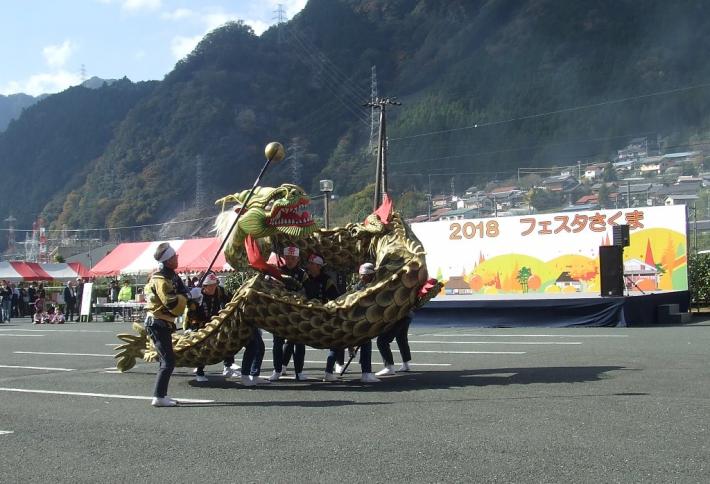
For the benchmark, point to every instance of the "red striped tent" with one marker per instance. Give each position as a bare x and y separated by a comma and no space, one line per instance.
17,271
194,255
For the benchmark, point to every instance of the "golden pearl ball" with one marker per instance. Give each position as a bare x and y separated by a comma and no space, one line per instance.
275,151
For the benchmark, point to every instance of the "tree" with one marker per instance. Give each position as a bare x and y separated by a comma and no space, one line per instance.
609,173
603,196
541,199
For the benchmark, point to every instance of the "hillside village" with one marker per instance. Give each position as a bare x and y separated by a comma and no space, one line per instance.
641,174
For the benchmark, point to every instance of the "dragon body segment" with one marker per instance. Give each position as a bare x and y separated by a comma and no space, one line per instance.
401,283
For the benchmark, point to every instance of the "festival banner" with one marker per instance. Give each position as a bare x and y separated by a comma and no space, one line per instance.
556,252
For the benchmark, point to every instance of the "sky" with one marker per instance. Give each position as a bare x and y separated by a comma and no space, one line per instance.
45,43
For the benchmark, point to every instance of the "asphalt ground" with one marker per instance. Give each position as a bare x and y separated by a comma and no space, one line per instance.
482,405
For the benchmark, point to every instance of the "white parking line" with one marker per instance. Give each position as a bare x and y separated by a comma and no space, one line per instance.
58,354
355,361
23,335
6,432
457,352
36,368
469,352
59,330
484,335
501,342
100,395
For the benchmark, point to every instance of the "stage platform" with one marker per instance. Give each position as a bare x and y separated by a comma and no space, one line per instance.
559,310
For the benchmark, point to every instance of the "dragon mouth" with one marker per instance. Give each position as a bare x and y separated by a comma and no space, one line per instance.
294,215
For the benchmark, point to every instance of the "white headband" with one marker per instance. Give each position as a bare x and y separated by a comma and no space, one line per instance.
169,252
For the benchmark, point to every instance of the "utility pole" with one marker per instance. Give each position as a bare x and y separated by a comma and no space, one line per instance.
381,173
373,113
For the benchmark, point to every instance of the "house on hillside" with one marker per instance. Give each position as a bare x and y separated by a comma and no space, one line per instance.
507,197
440,201
459,214
593,172
693,182
470,191
680,200
588,200
560,183
438,213
637,195
684,157
654,165
639,148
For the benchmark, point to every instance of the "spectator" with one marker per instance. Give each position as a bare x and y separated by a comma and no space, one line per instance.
125,295
5,302
70,300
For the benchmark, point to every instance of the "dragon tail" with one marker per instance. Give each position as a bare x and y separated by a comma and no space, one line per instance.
133,349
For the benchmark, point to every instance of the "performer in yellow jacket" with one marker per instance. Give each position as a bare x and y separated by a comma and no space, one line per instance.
166,297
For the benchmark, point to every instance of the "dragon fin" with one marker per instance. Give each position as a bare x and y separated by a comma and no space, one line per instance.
256,260
133,349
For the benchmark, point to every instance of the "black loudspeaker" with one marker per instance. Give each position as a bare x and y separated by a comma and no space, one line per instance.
621,235
611,270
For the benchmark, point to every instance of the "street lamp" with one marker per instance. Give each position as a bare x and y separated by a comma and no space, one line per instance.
326,187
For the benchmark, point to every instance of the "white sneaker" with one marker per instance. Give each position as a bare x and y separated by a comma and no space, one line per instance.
201,378
246,381
227,372
284,371
386,371
235,367
257,380
339,368
301,376
369,378
330,377
194,371
404,367
275,376
163,402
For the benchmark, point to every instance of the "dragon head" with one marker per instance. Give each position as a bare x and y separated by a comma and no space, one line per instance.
270,211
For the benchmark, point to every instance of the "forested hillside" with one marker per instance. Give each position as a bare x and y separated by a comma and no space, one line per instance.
50,149
487,86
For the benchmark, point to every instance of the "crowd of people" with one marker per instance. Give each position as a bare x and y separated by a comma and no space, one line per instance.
168,297
30,300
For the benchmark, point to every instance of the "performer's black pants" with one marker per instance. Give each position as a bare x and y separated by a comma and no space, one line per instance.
398,332
160,332
299,354
253,354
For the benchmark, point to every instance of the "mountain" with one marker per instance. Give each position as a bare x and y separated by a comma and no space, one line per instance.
96,82
49,150
486,87
11,107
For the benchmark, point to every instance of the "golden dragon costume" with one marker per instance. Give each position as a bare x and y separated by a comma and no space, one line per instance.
274,218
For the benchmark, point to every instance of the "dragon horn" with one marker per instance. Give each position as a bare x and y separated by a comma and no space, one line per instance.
384,211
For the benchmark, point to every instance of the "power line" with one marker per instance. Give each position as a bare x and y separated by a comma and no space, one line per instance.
119,228
508,150
549,113
341,87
